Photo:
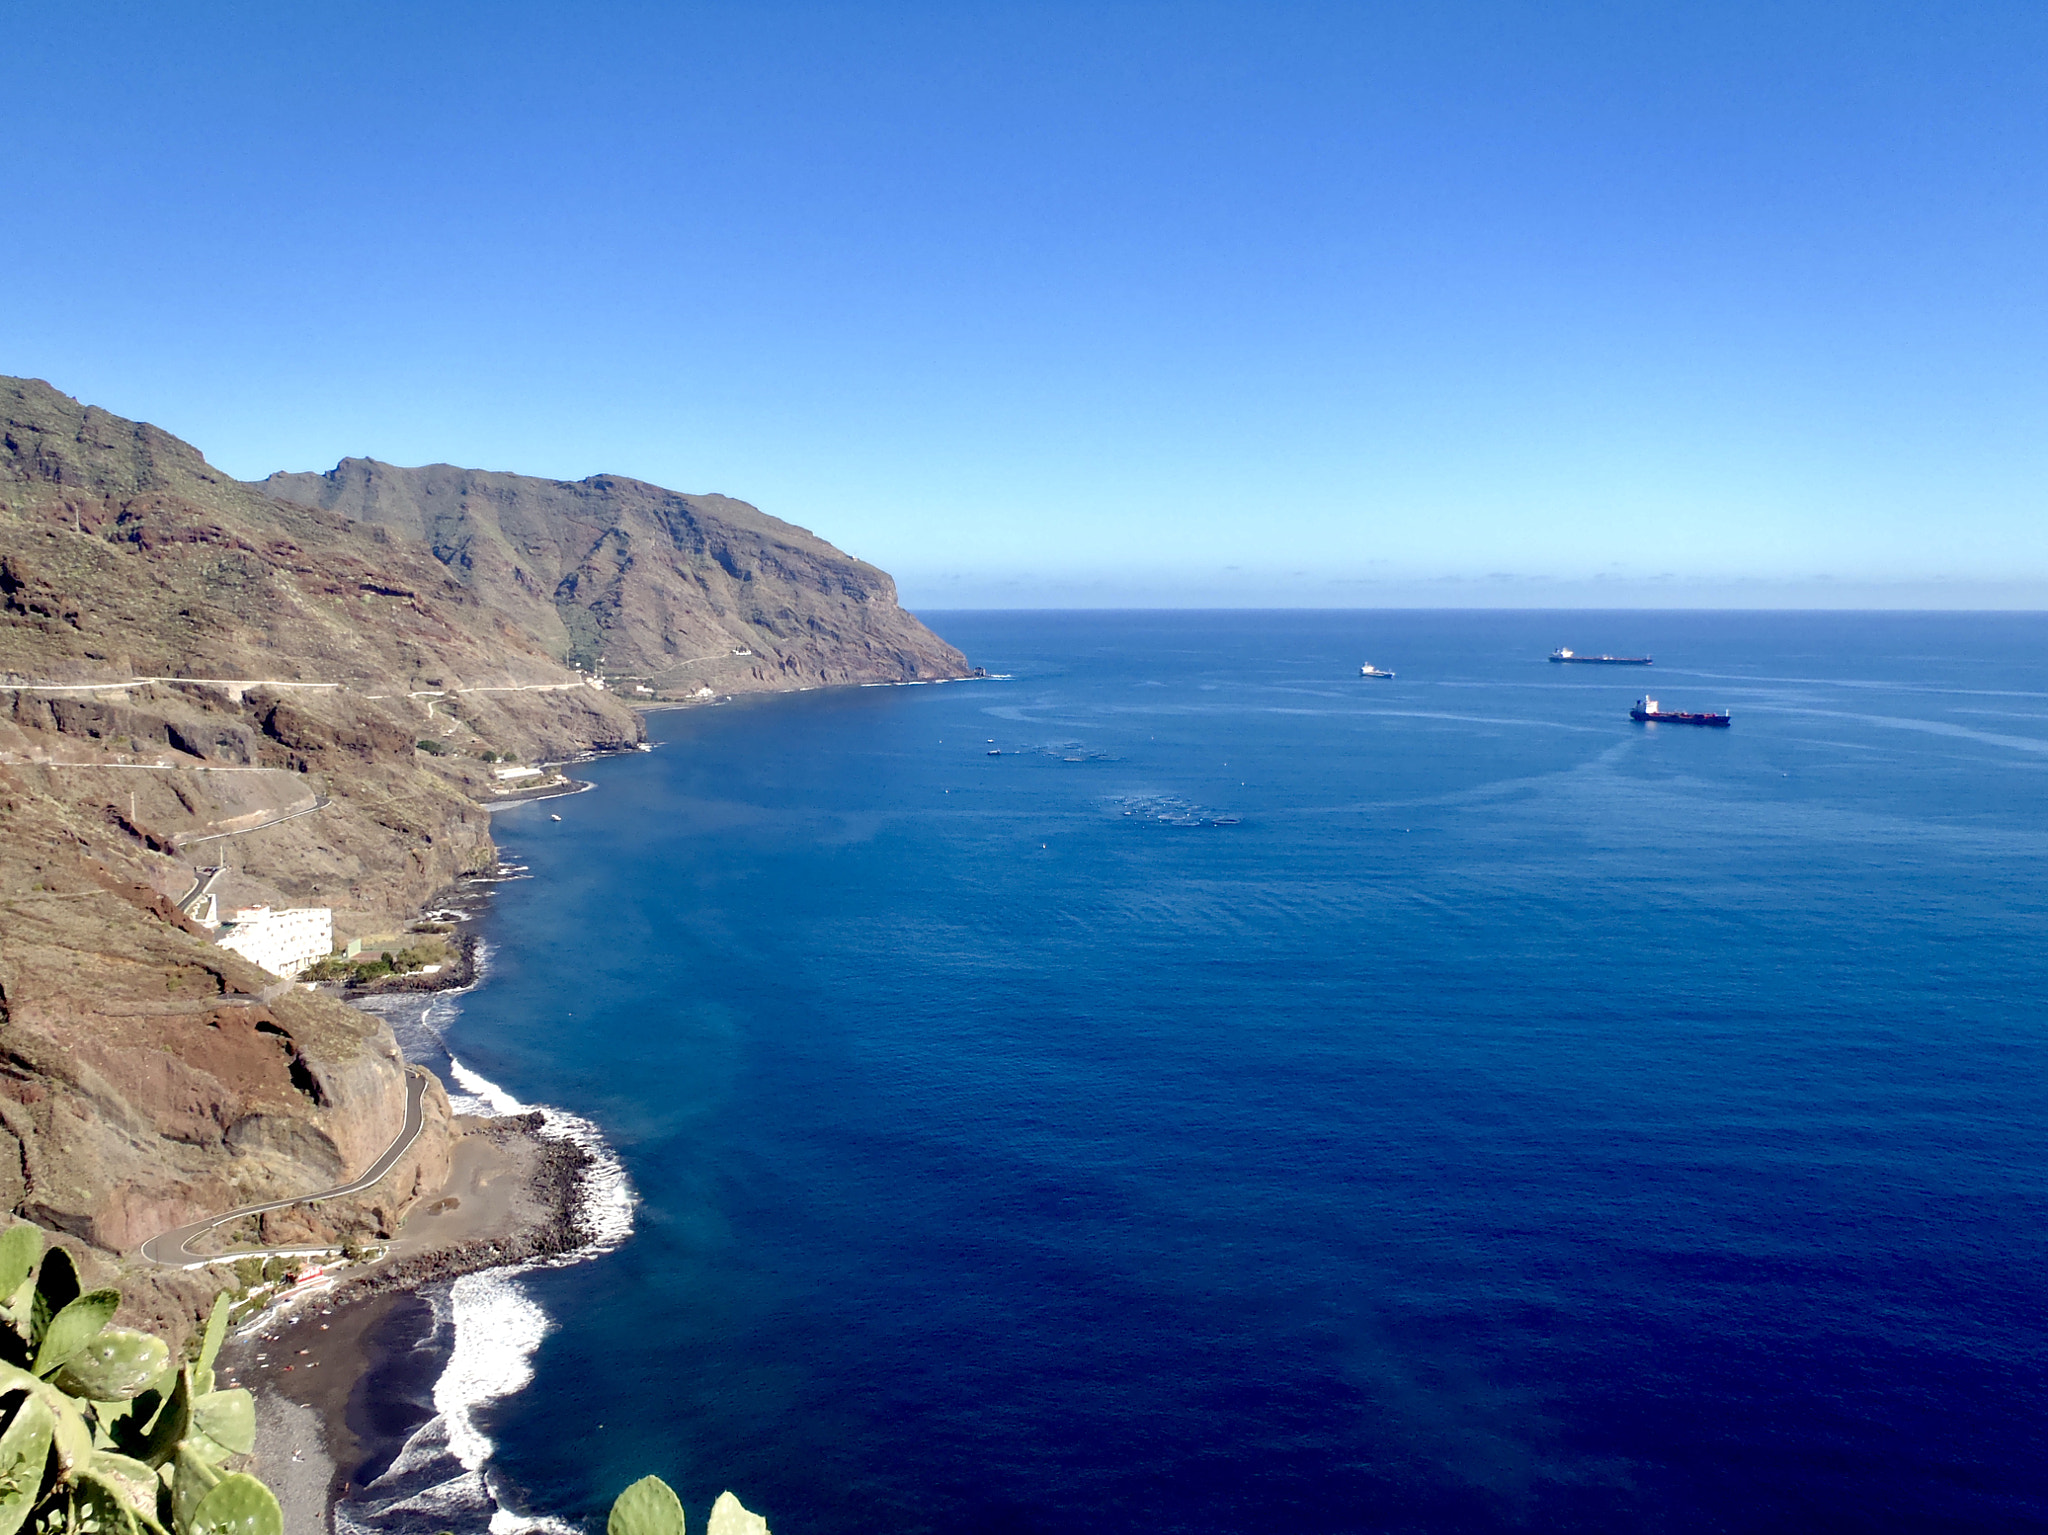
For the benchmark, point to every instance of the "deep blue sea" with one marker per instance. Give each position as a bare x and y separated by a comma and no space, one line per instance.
1262,1099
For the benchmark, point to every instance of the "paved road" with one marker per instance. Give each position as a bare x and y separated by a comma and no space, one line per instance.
200,886
173,1248
233,684
321,802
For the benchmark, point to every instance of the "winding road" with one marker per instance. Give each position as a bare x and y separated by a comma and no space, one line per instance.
321,802
174,1250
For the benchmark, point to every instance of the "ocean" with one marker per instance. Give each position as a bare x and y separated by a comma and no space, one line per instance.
1265,1099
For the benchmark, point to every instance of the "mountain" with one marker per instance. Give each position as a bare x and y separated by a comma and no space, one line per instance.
666,591
183,663
155,609
308,685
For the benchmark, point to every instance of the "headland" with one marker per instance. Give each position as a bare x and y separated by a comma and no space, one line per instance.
286,711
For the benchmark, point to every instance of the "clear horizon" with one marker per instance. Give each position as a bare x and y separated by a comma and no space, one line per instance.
1050,594
1497,305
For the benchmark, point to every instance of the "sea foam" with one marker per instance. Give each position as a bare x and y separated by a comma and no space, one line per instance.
488,1323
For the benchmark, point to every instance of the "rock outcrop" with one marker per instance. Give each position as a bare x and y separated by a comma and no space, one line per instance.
651,587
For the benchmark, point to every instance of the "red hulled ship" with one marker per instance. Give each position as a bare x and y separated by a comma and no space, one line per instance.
1646,710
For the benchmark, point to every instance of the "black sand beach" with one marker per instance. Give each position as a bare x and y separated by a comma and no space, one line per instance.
343,1374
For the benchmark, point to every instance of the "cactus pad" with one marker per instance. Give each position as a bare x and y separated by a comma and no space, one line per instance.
74,1326
648,1507
237,1505
114,1365
227,1418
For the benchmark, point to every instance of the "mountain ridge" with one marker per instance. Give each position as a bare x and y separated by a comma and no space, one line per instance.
194,673
664,589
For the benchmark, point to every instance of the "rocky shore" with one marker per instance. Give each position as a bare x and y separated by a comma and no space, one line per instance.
550,1224
456,972
512,1197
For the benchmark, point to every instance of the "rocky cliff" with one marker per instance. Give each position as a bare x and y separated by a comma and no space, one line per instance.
193,660
306,686
146,1081
655,589
193,676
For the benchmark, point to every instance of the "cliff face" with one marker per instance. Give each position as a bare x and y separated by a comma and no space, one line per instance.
307,690
191,676
194,661
649,586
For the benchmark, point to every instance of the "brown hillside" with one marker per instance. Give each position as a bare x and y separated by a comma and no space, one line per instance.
650,586
183,663
156,611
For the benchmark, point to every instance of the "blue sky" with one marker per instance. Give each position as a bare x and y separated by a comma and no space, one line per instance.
1098,304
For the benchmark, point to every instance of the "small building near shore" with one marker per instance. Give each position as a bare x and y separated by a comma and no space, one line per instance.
284,942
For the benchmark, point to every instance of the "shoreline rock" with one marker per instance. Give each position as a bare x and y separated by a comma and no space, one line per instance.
553,1183
308,1442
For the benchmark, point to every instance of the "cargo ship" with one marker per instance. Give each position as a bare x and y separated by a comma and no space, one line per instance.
1646,710
1369,670
1562,654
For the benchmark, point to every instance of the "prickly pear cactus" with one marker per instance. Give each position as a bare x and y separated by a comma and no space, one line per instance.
24,1451
238,1504
648,1507
729,1516
114,1366
100,1433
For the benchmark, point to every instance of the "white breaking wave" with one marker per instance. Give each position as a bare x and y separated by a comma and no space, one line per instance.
497,1329
442,1478
604,1195
480,1095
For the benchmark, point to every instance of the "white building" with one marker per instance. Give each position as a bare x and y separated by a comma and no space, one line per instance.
282,942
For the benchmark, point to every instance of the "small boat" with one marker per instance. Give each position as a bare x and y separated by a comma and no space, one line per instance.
554,818
997,752
1369,670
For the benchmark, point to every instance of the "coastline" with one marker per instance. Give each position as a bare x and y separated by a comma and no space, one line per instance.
363,1394
561,790
353,1377
319,1362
